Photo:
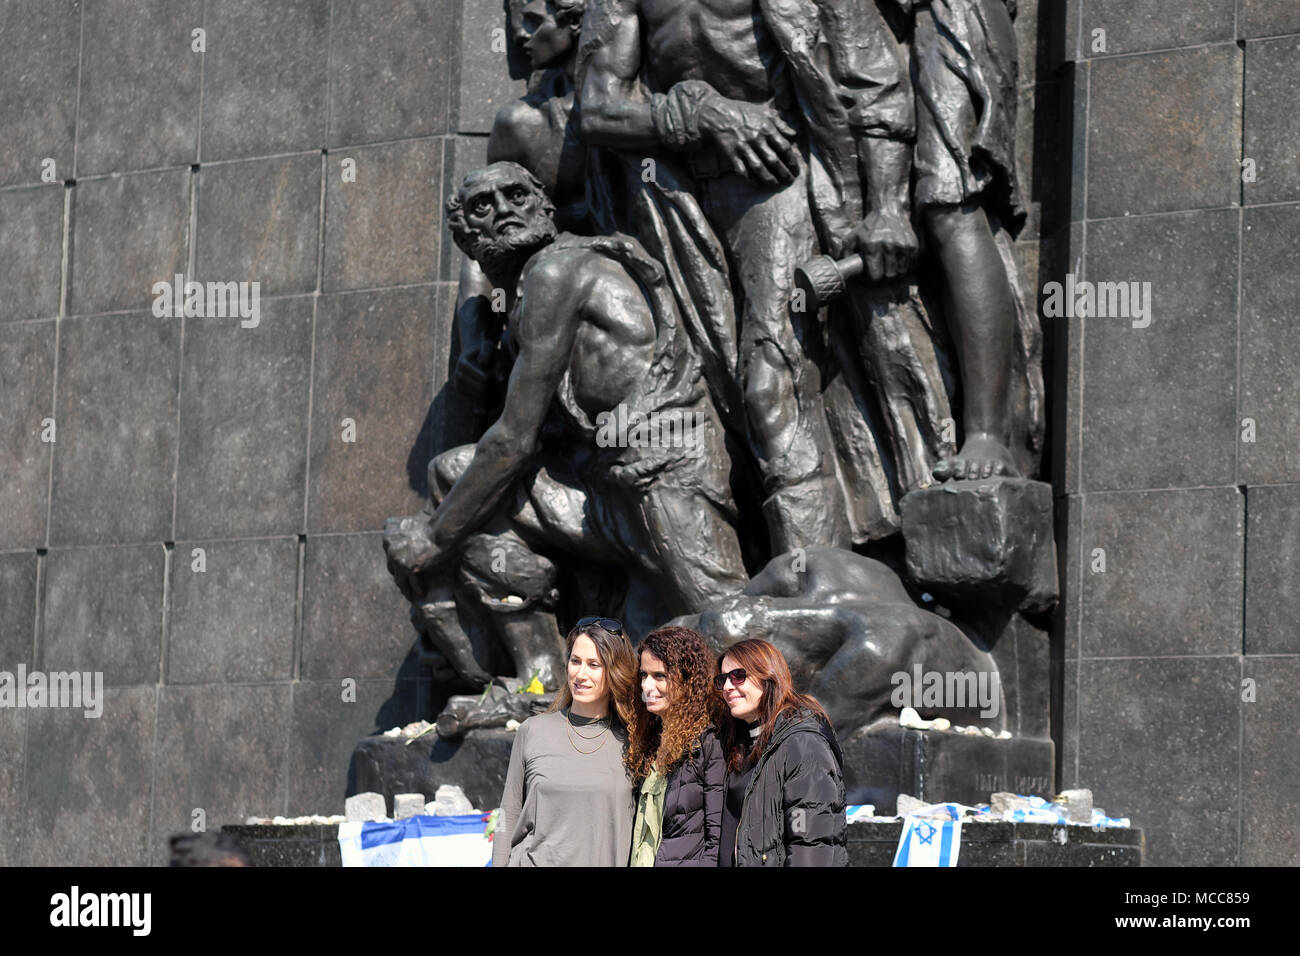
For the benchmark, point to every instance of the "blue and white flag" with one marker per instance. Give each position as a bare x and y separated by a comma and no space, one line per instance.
417,841
926,842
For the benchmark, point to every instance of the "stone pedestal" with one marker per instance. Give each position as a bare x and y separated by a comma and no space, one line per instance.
969,540
477,763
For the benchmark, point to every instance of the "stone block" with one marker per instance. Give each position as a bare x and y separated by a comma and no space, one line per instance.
1159,402
328,720
1182,717
87,797
265,84
1129,149
373,368
389,70
477,764
27,396
17,609
115,457
1173,571
13,726
140,83
31,252
128,232
1259,18
355,623
483,84
1270,339
259,221
365,806
1272,569
383,229
1157,24
1270,763
967,539
102,611
234,620
221,750
40,47
244,415
405,805
1272,119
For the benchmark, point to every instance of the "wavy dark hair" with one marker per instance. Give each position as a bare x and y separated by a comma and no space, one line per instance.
620,661
692,702
766,665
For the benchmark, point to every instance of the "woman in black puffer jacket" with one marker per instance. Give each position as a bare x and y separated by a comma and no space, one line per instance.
674,752
785,784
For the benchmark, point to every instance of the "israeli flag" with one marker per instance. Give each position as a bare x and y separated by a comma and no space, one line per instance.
417,841
926,842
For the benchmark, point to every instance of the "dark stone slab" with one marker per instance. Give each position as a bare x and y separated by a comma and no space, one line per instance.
233,621
87,797
1066,379
1272,569
13,727
1070,725
1155,737
1081,854
1258,18
40,45
483,84
1164,591
27,396
477,763
31,252
17,609
259,222
1129,172
116,449
326,728
462,155
354,621
1270,338
265,88
1008,844
1043,145
1159,403
388,70
295,846
1157,24
384,228
1023,655
244,411
883,761
1270,763
102,611
140,83
982,541
221,749
128,232
1272,119
373,366
1078,76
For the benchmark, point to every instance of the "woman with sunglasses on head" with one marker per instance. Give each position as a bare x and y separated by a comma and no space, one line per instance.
568,800
674,754
785,783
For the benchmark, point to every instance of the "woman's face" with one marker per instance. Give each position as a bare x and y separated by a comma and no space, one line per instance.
586,672
743,701
654,684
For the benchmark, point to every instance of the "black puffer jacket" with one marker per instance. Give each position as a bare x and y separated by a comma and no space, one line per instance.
793,812
693,807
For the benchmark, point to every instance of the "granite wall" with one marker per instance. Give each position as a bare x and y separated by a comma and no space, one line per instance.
1179,442
228,688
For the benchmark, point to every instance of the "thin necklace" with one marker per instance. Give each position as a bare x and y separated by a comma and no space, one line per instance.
601,736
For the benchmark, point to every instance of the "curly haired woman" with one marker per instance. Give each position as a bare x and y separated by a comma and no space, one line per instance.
674,754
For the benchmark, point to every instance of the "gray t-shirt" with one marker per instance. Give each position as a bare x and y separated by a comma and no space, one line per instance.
561,807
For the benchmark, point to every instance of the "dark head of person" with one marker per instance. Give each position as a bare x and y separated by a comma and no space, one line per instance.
207,849
499,216
757,689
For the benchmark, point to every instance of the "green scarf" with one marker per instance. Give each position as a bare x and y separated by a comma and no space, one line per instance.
648,830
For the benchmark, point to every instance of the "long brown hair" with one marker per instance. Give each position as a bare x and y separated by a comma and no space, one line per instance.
664,742
764,664
620,662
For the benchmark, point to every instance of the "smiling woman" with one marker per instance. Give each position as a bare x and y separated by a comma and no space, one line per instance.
568,800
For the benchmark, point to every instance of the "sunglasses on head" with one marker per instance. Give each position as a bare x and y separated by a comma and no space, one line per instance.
737,678
606,623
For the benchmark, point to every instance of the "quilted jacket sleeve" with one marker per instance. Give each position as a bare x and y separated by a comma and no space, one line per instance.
813,797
